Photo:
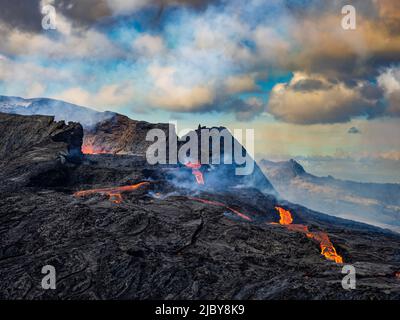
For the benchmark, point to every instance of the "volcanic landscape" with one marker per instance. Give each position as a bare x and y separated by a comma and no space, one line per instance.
115,227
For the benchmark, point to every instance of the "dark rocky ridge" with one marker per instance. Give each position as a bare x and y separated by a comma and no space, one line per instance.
31,147
161,244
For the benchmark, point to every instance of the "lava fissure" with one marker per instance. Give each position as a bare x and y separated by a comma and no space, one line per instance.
327,248
114,193
220,204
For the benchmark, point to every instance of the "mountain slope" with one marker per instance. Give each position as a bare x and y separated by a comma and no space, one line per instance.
49,107
377,204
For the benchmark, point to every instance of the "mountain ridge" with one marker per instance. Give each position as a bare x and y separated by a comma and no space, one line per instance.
373,203
61,110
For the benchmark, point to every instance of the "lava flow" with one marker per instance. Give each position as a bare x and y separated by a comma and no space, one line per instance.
196,172
114,193
219,204
327,248
286,217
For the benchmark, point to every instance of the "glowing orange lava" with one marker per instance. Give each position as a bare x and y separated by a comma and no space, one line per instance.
286,217
114,193
327,248
220,204
89,149
196,172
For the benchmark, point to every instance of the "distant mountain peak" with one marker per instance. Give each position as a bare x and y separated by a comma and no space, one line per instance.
296,167
288,169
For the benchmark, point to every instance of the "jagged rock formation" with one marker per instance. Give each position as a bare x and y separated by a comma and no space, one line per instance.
33,146
373,203
121,135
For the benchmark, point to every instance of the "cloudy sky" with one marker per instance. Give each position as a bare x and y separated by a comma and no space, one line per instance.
286,68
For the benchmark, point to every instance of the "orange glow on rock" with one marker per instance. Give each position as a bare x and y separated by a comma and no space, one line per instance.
88,149
114,193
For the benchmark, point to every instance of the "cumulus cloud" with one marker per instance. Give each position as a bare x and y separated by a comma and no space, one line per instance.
248,109
108,97
37,89
149,45
28,79
241,83
169,94
324,47
126,6
209,58
389,81
69,43
21,14
322,102
26,15
129,6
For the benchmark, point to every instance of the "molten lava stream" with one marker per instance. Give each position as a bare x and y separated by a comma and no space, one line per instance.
114,193
219,204
286,216
327,248
196,172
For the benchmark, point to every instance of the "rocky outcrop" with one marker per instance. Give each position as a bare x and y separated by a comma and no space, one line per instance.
36,147
120,135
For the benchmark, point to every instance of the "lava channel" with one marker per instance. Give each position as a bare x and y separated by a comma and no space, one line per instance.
327,248
114,193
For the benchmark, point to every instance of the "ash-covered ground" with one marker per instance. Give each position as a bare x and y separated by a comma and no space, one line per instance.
160,241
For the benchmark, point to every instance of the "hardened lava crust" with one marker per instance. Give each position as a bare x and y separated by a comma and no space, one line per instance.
166,237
